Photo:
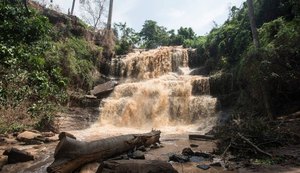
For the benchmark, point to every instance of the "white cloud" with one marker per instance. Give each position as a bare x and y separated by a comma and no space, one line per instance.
198,14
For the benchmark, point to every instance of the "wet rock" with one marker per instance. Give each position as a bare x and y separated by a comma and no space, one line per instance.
52,139
2,139
201,154
142,148
15,134
10,141
204,167
155,146
15,156
3,161
138,155
196,159
216,164
179,158
29,137
121,157
48,134
194,145
102,90
65,134
187,152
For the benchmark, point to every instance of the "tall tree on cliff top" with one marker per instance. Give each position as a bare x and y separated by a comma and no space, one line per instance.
153,35
93,12
111,2
253,23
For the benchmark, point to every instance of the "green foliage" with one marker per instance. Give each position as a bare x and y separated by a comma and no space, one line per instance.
127,38
272,70
76,59
183,34
35,71
153,35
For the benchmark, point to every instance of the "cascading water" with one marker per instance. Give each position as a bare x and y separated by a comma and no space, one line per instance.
157,92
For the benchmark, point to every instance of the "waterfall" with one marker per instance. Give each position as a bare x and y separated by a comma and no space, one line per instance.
157,91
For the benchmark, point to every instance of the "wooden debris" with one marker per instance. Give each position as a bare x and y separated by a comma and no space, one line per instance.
254,146
136,166
71,154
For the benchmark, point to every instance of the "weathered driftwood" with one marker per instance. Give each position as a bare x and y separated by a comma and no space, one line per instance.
71,154
201,137
136,166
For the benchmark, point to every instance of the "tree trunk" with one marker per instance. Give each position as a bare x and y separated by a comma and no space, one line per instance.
256,44
73,5
71,154
136,166
110,14
253,23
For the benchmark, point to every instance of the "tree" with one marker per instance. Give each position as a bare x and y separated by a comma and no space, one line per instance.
73,5
111,2
253,23
93,12
256,44
127,38
153,35
182,35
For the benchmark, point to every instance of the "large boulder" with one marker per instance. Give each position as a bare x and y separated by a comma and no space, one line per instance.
30,137
15,156
103,90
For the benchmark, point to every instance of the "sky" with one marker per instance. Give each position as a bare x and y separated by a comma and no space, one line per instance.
172,14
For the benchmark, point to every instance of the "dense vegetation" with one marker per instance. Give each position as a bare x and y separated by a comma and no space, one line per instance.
273,68
260,84
39,62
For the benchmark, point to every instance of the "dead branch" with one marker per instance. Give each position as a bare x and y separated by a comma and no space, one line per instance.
254,146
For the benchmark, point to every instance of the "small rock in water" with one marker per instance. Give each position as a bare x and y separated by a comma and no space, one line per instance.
179,158
155,146
15,156
121,157
196,159
201,154
204,167
142,148
3,161
138,155
216,164
48,134
194,145
10,141
28,137
187,152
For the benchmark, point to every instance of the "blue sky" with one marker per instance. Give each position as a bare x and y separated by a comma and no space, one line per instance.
198,14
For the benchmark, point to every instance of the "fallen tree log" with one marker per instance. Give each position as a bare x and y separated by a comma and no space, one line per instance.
70,154
136,166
